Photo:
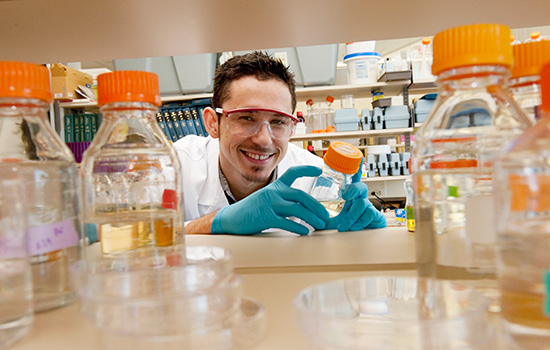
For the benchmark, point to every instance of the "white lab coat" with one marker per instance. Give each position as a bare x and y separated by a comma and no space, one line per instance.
202,191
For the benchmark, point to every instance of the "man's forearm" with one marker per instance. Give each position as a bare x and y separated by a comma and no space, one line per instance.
201,225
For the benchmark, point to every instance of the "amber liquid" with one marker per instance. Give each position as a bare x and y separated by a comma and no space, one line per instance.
126,231
523,260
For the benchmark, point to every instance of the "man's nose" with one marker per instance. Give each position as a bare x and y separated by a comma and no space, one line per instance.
264,133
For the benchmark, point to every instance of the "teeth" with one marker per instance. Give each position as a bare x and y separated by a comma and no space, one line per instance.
256,156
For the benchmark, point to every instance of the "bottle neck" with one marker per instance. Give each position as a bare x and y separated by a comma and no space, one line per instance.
129,110
17,107
473,77
528,84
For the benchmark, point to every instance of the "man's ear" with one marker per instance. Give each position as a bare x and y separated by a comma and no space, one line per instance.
210,120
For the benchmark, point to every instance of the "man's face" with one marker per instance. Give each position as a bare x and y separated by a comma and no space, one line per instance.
250,160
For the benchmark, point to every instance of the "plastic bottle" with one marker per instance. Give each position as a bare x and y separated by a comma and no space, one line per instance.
525,80
421,61
46,166
309,119
342,161
473,117
330,114
131,174
535,36
522,187
409,203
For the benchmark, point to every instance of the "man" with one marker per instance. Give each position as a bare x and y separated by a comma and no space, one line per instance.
238,180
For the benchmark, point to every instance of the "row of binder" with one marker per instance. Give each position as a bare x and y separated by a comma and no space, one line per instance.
81,127
180,119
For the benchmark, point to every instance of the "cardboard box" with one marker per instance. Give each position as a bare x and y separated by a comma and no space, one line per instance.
66,79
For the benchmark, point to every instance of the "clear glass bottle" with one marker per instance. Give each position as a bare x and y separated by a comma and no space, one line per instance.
522,204
16,309
473,117
46,166
525,80
131,174
342,161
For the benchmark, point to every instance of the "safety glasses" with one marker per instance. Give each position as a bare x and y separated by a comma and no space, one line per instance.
246,122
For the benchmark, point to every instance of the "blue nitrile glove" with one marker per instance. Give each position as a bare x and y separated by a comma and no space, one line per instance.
270,206
358,212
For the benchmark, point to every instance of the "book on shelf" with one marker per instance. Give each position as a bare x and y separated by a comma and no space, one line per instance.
80,127
182,121
169,125
177,126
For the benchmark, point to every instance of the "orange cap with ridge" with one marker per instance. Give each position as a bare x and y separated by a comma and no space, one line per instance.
545,87
529,58
426,40
343,157
128,86
471,45
26,80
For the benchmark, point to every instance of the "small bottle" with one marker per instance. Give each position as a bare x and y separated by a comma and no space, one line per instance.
522,205
421,61
330,114
30,146
514,41
309,116
474,116
131,174
409,203
342,161
525,79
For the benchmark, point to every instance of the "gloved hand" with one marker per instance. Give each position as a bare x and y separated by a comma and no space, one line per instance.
270,206
358,212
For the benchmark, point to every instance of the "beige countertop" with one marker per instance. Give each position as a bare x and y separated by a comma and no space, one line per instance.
274,267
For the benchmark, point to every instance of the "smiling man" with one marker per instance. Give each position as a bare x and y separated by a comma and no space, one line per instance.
246,177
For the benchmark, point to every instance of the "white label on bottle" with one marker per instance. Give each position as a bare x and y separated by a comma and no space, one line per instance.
48,238
480,215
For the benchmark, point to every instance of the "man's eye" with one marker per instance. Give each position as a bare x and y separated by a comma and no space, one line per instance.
279,121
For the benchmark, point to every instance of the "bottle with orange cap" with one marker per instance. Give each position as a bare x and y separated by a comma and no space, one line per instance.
522,203
341,162
30,146
421,61
131,175
525,80
473,117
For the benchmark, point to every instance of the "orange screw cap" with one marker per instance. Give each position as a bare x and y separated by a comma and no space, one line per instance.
469,45
128,86
343,157
26,80
529,58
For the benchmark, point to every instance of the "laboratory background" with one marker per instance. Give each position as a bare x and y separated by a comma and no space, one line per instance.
454,152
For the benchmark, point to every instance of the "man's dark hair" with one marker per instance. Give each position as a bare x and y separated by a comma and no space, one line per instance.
257,64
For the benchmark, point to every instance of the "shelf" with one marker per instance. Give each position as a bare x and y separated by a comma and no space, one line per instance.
351,134
390,88
393,87
87,103
384,178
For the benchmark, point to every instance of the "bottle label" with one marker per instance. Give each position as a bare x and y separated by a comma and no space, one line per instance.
48,238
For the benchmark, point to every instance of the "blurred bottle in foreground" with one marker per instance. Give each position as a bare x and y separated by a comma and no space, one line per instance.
31,147
16,309
473,117
525,80
522,201
131,174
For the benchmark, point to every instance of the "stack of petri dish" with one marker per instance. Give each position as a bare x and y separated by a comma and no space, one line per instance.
167,299
394,313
